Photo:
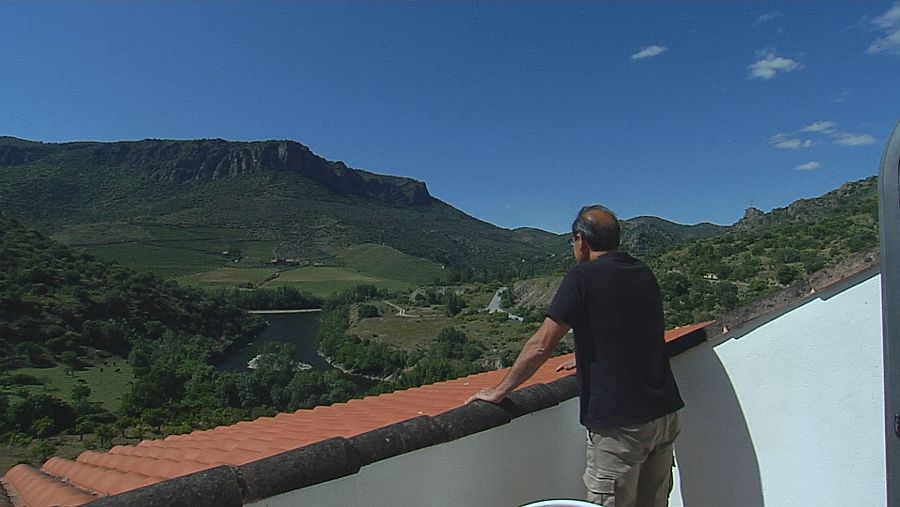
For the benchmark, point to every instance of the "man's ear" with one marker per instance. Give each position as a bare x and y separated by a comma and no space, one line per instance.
584,248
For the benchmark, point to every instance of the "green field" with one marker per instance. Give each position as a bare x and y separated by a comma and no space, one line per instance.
221,258
207,258
162,259
496,331
175,258
389,264
420,326
168,233
416,330
257,251
378,265
169,251
228,277
322,280
91,234
108,380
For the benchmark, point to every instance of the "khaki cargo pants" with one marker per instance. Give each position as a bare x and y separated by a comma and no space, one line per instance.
630,466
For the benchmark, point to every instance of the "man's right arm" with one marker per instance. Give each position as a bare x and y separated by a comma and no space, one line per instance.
535,353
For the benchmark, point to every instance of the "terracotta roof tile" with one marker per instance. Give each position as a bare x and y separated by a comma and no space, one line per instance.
29,487
127,467
680,332
164,468
91,478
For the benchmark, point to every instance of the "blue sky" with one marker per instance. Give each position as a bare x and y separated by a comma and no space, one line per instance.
517,113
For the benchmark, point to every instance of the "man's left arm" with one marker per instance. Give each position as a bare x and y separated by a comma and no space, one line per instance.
534,353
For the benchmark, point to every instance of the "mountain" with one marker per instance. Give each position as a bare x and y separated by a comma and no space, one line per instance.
759,255
850,198
274,190
765,252
278,192
641,235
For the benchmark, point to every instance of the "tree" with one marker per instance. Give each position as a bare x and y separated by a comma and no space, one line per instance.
155,418
44,450
455,303
787,274
105,434
44,427
123,423
366,311
451,343
201,389
82,427
4,405
23,414
139,429
726,294
80,393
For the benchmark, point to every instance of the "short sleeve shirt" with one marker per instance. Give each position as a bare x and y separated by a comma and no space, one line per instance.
614,307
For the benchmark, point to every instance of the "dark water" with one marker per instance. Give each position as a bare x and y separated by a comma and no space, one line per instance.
298,329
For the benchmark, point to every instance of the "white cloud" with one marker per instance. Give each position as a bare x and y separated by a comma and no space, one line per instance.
771,65
826,127
889,24
854,140
785,142
809,166
648,52
769,16
821,130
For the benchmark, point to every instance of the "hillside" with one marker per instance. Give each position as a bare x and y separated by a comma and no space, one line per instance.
760,254
273,191
91,347
65,316
642,235
196,199
764,252
56,301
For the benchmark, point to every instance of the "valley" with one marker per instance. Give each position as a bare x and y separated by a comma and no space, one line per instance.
129,270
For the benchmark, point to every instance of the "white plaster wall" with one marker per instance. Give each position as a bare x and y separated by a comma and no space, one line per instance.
787,414
534,457
790,413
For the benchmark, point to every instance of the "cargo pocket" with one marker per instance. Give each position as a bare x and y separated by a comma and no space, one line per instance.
602,491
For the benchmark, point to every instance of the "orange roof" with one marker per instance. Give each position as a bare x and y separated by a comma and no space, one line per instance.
129,467
680,332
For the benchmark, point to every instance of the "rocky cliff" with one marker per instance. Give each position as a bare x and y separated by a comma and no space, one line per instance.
185,162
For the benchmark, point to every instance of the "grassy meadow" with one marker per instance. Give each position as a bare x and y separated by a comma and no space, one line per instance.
323,281
108,379
387,263
228,277
166,260
223,258
420,325
168,251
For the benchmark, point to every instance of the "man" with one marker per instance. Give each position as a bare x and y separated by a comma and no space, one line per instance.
629,400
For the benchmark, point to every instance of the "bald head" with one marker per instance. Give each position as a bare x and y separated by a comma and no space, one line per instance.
599,227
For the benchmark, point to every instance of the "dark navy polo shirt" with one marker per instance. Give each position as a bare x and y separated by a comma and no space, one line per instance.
614,306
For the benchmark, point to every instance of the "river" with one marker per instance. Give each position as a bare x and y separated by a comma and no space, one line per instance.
297,328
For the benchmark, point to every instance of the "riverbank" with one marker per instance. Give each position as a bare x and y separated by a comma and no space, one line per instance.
270,312
349,372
